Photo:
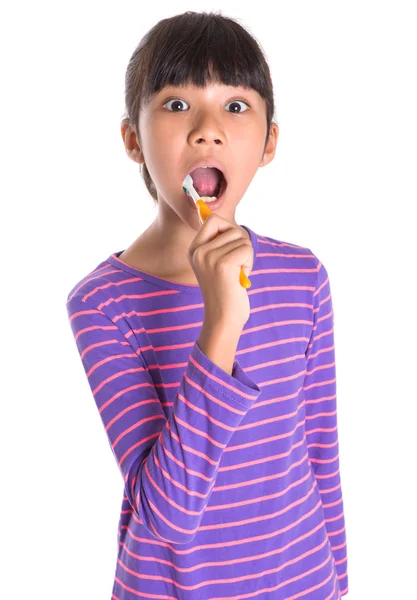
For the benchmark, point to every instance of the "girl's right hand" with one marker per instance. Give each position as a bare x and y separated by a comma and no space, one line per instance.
216,254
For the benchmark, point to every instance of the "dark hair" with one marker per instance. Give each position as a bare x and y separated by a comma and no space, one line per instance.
199,47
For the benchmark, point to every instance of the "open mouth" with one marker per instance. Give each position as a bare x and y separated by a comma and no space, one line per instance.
209,182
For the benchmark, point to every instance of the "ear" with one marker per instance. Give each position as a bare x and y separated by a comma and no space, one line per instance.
271,145
132,142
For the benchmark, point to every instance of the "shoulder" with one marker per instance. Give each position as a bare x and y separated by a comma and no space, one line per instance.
291,262
272,247
101,289
93,280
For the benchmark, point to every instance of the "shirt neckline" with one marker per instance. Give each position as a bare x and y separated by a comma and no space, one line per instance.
167,283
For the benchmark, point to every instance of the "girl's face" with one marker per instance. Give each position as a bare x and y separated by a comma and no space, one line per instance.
183,125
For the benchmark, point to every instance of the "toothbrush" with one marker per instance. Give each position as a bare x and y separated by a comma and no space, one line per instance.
203,212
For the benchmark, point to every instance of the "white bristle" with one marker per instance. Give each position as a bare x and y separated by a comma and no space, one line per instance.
188,183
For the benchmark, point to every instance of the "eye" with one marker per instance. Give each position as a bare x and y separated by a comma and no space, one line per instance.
178,101
236,103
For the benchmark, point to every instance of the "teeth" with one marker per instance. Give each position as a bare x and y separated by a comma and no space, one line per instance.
209,198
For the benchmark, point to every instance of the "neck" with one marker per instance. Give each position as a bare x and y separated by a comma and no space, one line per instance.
176,236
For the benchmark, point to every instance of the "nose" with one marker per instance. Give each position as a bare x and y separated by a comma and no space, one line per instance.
207,132
201,140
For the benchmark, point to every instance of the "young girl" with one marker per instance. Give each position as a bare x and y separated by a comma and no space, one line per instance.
219,401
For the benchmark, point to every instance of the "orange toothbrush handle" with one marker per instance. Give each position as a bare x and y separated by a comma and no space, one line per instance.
203,212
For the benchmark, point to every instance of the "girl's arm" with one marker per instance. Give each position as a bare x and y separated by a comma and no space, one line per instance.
321,420
169,466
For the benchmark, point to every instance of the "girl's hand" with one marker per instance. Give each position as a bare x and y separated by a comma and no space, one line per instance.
216,254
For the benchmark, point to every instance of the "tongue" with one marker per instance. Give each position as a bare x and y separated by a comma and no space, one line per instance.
207,181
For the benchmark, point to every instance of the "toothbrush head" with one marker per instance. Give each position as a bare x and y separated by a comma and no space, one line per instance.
188,187
187,184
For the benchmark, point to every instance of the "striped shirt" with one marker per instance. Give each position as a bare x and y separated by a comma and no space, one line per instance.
232,486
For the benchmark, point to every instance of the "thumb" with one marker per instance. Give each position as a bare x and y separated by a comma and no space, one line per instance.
248,264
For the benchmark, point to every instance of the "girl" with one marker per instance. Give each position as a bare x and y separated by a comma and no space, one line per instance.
219,402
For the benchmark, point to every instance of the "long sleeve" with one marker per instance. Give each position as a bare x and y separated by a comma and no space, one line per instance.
169,466
321,420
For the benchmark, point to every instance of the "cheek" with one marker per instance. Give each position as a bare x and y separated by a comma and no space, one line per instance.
248,142
159,147
164,142
250,156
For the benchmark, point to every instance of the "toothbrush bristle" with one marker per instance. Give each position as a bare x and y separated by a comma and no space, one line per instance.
188,185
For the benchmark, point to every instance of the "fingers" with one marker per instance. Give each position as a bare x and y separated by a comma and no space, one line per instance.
214,233
237,252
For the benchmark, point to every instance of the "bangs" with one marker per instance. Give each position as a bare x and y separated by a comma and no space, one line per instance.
200,49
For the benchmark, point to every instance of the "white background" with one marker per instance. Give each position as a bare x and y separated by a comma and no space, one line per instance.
343,183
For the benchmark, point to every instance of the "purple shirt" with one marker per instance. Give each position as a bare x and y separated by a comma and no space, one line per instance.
232,487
